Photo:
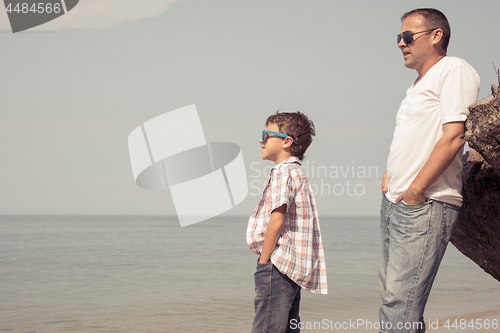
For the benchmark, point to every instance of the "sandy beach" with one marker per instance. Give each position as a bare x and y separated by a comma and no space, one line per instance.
116,274
479,322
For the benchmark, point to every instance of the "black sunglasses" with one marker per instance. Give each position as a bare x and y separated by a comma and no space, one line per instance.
407,36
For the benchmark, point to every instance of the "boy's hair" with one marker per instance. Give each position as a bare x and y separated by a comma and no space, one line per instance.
296,125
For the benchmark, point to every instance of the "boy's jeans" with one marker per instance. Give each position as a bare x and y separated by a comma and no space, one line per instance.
277,301
414,239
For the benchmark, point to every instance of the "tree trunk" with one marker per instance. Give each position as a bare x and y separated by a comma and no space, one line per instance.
482,128
477,234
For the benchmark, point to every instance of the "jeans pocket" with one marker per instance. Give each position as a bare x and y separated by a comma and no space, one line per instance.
266,267
262,279
416,210
427,201
450,216
413,219
288,286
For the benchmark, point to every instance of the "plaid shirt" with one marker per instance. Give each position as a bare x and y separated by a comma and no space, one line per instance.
299,250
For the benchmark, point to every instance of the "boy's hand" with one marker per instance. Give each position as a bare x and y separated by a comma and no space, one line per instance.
273,232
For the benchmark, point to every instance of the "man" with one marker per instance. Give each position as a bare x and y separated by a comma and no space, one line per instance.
423,182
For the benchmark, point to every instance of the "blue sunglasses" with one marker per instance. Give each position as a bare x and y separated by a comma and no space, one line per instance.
281,135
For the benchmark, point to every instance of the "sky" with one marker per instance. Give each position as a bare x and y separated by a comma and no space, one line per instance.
72,90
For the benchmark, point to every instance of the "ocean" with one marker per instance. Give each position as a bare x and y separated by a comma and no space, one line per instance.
147,274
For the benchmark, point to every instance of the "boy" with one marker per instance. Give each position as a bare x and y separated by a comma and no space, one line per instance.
284,228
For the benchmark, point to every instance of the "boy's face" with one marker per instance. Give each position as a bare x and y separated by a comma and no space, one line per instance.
273,149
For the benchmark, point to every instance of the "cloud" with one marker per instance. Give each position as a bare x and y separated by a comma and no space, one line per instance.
100,14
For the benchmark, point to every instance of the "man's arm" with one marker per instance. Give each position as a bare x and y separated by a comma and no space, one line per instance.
273,233
441,157
385,183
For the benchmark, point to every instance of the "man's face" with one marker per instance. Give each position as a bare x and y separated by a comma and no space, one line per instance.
417,52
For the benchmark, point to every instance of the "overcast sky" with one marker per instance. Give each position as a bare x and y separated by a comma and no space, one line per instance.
73,89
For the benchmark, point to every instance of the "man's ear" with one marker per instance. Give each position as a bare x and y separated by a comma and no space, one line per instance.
437,36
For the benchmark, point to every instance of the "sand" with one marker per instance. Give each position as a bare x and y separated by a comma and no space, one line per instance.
470,323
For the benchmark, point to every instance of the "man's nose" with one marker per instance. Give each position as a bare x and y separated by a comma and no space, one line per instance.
402,43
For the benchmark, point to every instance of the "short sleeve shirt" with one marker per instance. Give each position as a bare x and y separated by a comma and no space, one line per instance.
440,97
299,249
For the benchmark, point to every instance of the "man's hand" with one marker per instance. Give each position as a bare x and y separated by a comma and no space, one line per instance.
442,155
385,183
411,198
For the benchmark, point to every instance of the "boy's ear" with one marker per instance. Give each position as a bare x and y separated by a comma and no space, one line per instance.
288,142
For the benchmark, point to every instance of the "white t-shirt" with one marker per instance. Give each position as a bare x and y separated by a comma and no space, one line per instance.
440,97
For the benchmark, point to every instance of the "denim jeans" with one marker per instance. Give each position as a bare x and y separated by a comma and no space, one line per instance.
277,301
414,240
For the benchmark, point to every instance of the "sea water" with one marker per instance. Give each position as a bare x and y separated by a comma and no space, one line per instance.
147,274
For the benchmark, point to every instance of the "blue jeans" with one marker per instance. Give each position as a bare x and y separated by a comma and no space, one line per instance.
277,301
414,240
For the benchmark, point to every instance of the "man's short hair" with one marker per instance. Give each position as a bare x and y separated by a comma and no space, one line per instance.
434,19
296,125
